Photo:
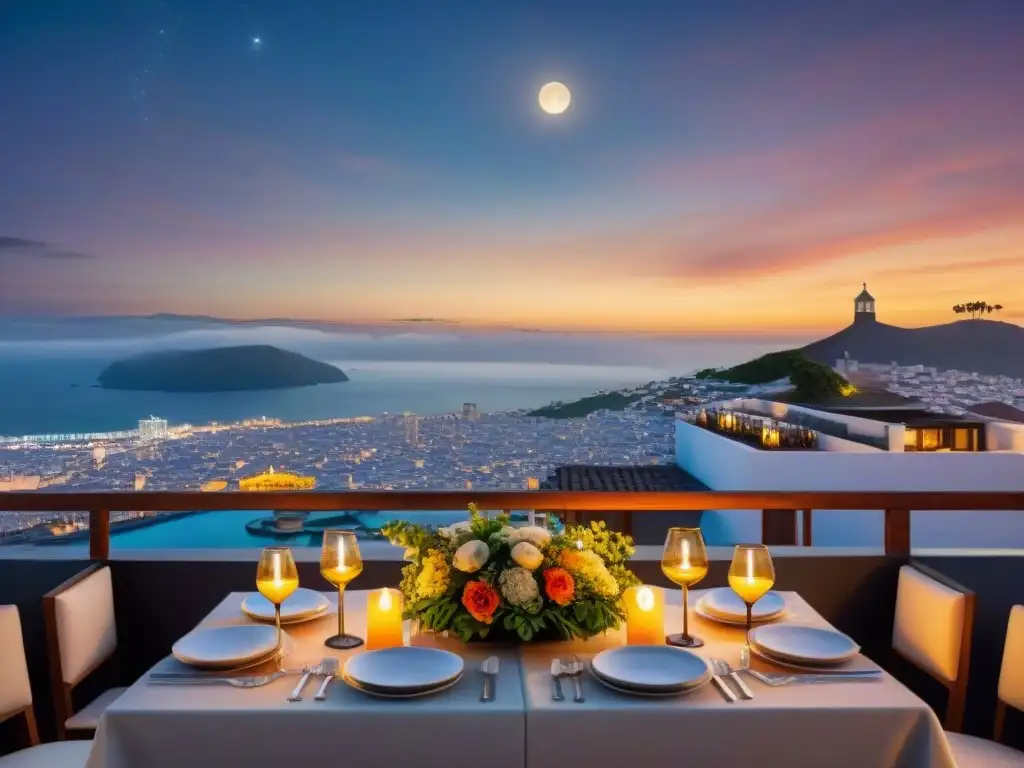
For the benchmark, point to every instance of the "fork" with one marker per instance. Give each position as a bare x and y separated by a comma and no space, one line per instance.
315,669
723,669
778,680
235,682
573,669
329,668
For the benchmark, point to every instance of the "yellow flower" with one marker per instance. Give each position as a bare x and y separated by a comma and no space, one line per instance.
591,567
435,575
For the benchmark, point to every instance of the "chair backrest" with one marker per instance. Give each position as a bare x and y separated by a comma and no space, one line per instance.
15,690
1011,674
86,632
932,630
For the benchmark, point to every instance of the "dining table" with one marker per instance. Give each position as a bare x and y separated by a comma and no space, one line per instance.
849,723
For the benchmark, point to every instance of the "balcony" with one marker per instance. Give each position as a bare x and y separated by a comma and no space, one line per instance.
853,589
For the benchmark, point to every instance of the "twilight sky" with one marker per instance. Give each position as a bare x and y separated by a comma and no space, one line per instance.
726,167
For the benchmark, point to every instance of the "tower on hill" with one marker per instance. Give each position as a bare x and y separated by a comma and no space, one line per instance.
864,307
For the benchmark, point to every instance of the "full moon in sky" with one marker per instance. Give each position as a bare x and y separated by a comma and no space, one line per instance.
554,98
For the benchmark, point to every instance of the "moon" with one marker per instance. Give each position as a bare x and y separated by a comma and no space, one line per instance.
554,98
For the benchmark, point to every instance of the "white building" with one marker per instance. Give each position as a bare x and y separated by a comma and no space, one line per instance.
902,450
152,429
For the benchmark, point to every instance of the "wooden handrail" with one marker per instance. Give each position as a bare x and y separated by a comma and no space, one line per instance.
590,501
778,507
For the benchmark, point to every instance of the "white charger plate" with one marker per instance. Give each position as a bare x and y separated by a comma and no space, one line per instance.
652,694
699,611
660,668
722,604
400,695
798,644
226,647
406,669
301,605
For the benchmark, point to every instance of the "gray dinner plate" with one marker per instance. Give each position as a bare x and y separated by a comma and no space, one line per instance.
226,647
301,605
404,669
798,644
725,605
654,668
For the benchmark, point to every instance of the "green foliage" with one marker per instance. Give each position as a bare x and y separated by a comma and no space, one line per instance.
761,370
707,373
610,401
815,382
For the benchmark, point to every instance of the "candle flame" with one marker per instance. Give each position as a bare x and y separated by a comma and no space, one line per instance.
645,599
385,600
686,554
277,567
750,566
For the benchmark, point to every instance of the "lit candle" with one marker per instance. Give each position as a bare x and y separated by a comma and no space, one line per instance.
645,615
384,618
686,555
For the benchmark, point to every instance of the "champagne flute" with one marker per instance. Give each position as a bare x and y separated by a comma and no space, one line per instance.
276,578
685,562
340,562
751,575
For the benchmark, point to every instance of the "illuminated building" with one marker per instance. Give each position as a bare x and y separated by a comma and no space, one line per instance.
276,481
152,429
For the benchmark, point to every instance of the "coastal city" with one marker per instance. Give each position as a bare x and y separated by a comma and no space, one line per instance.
470,449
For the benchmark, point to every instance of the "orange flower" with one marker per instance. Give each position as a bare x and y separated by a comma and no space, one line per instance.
559,585
481,600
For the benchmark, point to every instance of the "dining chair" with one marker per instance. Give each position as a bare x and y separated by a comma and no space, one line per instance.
932,630
971,751
16,702
80,637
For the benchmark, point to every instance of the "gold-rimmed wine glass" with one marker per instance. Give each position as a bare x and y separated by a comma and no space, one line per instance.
751,575
276,578
340,562
685,562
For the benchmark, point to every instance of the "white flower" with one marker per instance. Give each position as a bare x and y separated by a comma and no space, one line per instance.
527,555
519,587
534,534
471,556
455,530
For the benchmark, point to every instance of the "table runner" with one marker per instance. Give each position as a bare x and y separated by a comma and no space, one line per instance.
217,725
859,725
847,724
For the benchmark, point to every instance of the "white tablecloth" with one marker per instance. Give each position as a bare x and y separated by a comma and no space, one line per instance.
216,725
859,725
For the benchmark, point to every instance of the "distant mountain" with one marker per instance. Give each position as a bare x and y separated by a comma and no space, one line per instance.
982,346
224,369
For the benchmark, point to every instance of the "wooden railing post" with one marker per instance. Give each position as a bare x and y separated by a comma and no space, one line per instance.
807,538
99,534
897,531
778,527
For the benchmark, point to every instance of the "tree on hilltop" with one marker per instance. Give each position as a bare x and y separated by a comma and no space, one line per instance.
977,309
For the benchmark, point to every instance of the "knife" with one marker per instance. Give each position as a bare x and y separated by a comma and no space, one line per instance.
489,667
556,673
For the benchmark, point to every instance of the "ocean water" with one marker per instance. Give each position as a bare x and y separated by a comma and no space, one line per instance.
46,383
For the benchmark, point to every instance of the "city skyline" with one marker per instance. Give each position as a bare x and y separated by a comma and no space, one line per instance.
720,170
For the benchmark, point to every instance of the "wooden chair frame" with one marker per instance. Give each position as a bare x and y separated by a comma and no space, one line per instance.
956,705
63,703
30,731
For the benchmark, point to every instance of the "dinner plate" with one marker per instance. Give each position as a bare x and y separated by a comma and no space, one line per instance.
401,694
799,644
406,669
724,604
699,611
661,668
226,647
649,693
300,605
818,669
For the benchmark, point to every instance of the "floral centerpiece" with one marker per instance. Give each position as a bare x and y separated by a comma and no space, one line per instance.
483,577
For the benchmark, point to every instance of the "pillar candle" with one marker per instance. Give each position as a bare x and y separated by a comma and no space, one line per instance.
645,615
384,618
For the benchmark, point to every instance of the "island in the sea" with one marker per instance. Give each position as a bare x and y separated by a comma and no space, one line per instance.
220,369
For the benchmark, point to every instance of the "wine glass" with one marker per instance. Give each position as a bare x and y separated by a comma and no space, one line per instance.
751,575
340,562
276,578
685,562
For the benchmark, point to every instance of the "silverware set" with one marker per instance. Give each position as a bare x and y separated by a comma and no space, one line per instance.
573,669
723,671
777,680
327,668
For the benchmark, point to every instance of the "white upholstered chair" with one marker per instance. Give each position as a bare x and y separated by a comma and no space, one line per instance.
972,752
16,701
81,636
932,630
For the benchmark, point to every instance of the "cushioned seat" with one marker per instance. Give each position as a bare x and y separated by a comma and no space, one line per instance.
88,717
57,754
972,752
